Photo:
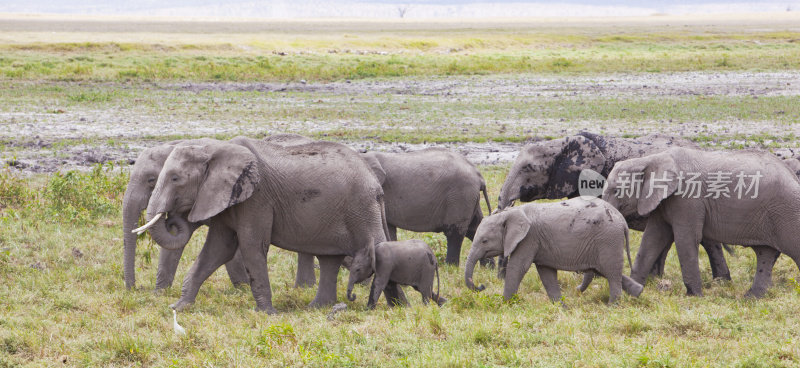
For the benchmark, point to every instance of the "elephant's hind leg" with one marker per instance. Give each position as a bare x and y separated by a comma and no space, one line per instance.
305,271
716,257
454,240
631,286
236,270
328,271
549,278
765,260
394,295
588,276
614,288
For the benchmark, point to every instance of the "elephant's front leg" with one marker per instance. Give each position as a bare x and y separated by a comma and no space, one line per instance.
686,242
719,268
516,268
236,270
549,277
305,271
379,282
328,272
656,238
765,260
219,248
167,267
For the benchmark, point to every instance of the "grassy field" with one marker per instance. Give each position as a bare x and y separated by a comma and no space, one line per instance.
117,85
64,301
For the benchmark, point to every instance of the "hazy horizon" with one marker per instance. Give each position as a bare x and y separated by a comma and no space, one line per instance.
393,8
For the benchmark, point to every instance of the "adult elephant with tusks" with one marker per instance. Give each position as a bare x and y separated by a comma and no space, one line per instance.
550,170
431,190
318,198
172,233
747,198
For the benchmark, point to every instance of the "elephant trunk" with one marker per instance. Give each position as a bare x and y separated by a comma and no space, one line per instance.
471,261
350,296
507,194
132,206
160,232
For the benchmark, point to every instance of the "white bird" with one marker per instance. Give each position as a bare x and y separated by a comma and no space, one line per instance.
175,326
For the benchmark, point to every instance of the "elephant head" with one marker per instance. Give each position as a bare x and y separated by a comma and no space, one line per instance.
375,165
142,181
202,181
361,267
550,170
498,234
637,186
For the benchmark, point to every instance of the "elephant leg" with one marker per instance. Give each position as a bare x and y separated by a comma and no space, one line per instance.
502,262
716,257
395,295
305,271
167,267
549,277
328,272
765,260
379,283
392,233
656,237
614,288
661,261
588,276
454,240
516,269
686,243
218,249
631,286
236,270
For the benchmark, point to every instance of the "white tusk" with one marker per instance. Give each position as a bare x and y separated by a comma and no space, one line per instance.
140,230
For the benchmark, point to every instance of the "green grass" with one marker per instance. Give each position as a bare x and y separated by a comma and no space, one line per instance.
59,307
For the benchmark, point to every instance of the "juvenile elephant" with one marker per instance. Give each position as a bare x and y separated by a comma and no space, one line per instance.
172,234
550,170
573,235
409,262
431,190
747,198
318,198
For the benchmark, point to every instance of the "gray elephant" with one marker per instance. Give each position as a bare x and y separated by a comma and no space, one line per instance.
318,198
172,233
409,262
747,198
431,190
573,235
550,170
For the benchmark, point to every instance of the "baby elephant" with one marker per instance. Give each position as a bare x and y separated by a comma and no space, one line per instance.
573,235
407,262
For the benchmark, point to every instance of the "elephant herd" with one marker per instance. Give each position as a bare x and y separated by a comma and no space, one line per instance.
325,200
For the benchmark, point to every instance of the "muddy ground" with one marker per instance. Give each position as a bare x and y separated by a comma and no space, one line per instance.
48,139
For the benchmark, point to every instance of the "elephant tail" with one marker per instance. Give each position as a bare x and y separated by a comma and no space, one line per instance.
486,195
383,218
628,248
438,295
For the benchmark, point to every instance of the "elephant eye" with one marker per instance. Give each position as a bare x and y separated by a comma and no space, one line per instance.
151,181
175,178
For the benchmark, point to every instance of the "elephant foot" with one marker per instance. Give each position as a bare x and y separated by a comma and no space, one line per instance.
631,287
693,291
321,303
159,291
755,293
180,305
269,310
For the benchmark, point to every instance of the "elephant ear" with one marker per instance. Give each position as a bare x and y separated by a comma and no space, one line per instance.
659,181
231,177
516,228
577,153
375,166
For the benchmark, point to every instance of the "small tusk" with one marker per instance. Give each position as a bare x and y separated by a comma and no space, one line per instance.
146,226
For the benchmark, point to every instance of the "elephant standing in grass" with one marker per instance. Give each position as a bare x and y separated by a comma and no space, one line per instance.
573,235
550,170
431,190
172,233
318,198
409,262
747,198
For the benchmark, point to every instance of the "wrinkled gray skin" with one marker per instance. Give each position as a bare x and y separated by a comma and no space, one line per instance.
408,262
431,190
573,235
793,163
318,198
550,170
142,181
769,224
